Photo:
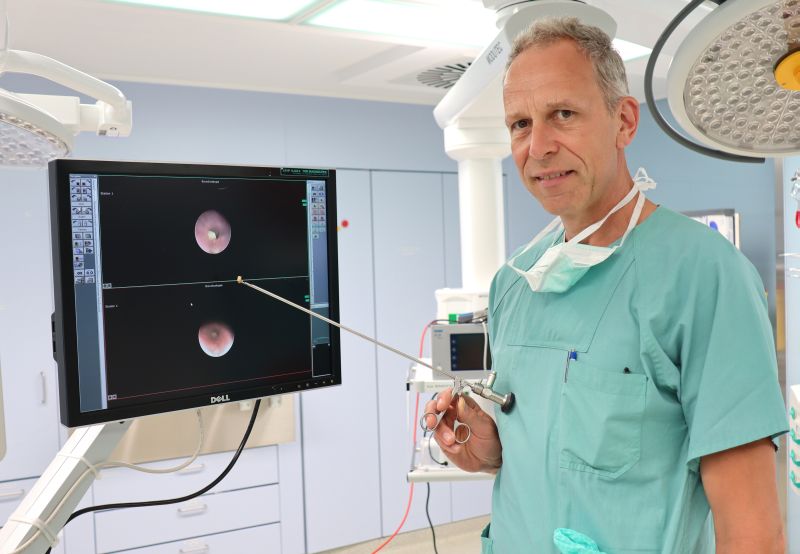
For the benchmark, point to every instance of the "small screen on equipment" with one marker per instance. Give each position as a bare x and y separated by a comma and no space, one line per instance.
468,352
149,317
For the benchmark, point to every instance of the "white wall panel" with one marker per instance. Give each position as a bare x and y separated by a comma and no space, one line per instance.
340,424
409,267
30,393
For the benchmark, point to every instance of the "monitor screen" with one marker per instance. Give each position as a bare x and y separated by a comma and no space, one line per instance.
149,317
469,352
723,221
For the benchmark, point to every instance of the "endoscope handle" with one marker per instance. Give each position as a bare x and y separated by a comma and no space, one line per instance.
505,401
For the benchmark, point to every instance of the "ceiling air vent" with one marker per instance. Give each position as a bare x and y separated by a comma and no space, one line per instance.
443,76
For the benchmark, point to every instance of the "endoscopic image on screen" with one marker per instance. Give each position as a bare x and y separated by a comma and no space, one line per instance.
163,230
172,342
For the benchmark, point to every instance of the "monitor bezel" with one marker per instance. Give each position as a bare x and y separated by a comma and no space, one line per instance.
63,318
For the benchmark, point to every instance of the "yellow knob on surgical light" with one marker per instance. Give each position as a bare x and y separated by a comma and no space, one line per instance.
787,71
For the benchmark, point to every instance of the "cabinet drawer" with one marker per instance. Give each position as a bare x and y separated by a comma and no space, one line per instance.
207,514
256,466
11,494
265,539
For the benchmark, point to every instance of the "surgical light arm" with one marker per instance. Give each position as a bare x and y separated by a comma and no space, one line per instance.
111,115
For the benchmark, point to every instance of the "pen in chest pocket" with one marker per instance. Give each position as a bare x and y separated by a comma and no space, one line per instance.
571,355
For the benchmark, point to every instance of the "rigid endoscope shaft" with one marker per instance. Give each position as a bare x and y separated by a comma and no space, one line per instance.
348,329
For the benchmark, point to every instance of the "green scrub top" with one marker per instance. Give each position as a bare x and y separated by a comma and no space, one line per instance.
660,355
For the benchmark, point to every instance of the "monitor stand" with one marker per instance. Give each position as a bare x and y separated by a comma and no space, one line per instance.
60,488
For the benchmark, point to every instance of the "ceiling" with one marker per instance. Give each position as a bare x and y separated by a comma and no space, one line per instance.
123,42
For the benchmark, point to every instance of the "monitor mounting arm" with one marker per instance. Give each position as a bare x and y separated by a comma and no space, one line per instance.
60,488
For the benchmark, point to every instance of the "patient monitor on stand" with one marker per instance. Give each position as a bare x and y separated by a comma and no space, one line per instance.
459,345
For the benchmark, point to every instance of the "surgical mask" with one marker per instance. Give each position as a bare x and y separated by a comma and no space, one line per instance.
562,265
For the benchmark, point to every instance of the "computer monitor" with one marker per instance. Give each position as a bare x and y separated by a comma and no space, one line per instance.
149,317
724,221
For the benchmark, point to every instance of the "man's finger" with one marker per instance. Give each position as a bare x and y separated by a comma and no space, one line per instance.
445,437
470,402
444,399
451,450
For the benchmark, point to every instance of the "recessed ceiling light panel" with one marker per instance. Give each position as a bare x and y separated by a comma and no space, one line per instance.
464,23
722,87
272,9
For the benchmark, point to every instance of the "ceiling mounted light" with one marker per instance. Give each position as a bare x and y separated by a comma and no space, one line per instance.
734,83
272,10
29,136
36,128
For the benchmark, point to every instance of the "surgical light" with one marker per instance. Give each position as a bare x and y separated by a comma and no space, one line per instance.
29,136
734,82
37,128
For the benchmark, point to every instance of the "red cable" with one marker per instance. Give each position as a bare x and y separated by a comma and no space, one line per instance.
411,488
410,491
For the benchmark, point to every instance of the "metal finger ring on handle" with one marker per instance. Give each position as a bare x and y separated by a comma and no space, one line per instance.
423,419
462,432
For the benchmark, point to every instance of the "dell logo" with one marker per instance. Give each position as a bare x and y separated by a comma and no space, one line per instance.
218,399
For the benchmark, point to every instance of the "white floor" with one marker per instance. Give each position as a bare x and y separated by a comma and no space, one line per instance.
462,537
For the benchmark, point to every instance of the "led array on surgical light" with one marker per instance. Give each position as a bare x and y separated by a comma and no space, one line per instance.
731,93
24,144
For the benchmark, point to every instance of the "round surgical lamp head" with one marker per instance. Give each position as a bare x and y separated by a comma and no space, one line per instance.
29,137
734,82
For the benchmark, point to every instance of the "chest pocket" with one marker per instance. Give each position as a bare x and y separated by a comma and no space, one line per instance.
600,420
597,412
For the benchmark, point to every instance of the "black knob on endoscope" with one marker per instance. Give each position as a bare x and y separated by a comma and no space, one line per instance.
508,403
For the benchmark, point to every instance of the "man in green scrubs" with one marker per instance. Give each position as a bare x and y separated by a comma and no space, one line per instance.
636,341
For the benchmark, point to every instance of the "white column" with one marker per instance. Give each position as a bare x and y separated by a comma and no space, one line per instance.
479,145
480,192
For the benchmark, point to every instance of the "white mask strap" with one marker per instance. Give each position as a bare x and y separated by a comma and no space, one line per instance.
641,182
595,226
637,212
550,226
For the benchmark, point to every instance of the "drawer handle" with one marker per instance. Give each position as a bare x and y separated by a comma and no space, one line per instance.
193,510
11,495
196,468
44,387
195,549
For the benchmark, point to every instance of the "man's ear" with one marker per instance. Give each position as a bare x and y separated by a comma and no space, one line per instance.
628,121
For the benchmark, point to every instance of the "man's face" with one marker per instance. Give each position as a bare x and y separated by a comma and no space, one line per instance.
564,141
